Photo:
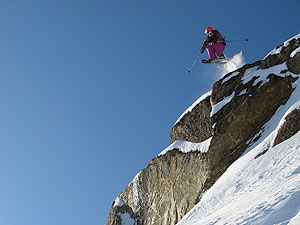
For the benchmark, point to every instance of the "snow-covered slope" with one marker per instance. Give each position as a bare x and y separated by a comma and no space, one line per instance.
265,190
263,185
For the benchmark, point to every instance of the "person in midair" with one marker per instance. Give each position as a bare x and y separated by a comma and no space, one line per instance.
214,43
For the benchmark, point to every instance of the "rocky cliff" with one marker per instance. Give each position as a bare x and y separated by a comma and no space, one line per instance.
224,123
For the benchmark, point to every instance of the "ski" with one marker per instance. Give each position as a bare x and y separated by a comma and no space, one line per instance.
217,61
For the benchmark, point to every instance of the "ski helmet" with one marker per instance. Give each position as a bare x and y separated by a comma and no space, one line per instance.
208,29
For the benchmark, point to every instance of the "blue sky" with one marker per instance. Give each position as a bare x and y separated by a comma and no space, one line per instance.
89,91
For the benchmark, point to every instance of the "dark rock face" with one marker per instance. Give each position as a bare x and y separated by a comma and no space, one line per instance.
284,55
195,126
238,122
165,190
293,64
290,127
173,183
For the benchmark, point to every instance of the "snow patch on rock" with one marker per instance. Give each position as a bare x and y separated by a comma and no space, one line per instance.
186,147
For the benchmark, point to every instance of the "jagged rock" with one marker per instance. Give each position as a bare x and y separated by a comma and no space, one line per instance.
284,51
293,63
195,126
290,127
166,189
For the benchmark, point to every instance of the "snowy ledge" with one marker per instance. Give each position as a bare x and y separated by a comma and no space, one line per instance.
186,147
285,44
294,52
229,77
118,202
221,104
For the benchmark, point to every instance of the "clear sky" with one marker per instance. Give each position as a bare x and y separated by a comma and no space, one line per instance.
90,89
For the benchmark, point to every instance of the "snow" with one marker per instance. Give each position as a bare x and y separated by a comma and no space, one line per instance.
229,77
263,190
262,74
186,147
193,105
294,52
126,219
136,192
236,62
254,191
118,202
221,104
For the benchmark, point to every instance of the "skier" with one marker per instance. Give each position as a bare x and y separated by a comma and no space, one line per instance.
215,44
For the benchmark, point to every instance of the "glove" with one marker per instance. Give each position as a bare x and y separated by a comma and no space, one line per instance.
201,51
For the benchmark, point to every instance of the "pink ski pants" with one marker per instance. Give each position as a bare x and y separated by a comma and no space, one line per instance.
214,49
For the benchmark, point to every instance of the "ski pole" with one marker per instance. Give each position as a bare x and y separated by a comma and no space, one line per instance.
237,40
194,63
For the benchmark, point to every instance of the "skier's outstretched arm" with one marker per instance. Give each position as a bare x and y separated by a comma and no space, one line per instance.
204,46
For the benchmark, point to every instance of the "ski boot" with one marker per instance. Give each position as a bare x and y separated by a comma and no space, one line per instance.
209,60
222,56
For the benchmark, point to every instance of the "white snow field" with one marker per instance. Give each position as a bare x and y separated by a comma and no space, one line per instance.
265,190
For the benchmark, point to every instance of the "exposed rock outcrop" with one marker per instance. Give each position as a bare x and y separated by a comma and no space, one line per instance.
290,127
197,126
164,191
283,53
233,116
